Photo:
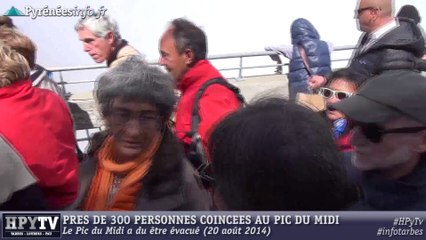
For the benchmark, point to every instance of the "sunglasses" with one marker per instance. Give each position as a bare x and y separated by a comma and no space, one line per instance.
374,132
359,11
328,93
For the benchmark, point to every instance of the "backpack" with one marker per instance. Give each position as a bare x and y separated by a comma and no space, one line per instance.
196,154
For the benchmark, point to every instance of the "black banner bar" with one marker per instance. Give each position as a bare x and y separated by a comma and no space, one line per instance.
213,225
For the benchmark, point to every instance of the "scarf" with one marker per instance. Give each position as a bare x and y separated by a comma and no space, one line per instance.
133,172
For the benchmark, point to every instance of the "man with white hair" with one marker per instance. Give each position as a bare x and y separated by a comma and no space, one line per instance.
102,40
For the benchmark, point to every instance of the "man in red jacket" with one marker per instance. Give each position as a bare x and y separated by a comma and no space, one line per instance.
183,49
37,143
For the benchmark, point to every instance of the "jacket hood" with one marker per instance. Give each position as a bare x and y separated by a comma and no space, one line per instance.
302,29
407,36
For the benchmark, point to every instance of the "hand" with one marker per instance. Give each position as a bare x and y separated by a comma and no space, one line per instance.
316,81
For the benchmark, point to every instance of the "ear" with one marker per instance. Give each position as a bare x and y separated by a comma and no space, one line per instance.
375,14
110,38
189,56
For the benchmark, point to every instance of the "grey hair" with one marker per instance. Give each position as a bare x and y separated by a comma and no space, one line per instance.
133,79
189,36
99,26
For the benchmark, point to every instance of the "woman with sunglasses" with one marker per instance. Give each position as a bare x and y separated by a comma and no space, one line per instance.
340,84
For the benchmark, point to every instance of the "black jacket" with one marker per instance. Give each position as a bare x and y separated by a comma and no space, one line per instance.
401,48
406,193
169,185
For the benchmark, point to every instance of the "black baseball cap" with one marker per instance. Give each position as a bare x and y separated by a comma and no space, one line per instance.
387,96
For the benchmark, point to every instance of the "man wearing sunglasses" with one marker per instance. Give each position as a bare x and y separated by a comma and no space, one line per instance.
386,43
389,138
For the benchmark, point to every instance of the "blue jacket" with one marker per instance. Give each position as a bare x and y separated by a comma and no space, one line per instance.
304,34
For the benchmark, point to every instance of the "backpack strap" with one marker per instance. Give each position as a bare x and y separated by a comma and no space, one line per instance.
38,71
196,153
195,117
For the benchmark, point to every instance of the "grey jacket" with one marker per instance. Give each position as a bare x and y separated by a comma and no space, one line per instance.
19,190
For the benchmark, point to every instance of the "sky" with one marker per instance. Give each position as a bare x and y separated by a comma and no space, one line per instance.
231,26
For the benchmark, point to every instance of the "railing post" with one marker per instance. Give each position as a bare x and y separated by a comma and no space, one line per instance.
240,72
62,83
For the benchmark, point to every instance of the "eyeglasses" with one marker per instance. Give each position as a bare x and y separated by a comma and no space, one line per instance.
374,132
121,118
328,93
359,11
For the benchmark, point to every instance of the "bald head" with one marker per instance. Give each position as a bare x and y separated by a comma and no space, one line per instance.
373,14
385,6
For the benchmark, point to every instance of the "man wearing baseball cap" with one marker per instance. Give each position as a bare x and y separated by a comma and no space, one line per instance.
389,122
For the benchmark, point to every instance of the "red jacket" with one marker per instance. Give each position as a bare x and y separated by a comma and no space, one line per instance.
217,101
37,124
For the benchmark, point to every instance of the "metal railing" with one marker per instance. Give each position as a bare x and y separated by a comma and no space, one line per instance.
240,67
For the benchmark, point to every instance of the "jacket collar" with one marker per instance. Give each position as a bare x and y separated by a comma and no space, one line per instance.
378,33
15,88
201,72
114,54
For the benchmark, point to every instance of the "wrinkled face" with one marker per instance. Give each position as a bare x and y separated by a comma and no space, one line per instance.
175,63
338,85
133,125
394,154
98,48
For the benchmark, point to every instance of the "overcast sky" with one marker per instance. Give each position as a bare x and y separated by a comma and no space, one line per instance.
231,25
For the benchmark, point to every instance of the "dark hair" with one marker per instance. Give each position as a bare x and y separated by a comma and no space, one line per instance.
276,155
6,21
133,79
347,75
188,36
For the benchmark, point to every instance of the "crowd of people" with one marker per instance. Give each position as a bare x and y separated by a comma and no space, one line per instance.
184,139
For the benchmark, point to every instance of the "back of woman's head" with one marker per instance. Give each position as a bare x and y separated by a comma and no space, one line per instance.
13,66
20,43
276,155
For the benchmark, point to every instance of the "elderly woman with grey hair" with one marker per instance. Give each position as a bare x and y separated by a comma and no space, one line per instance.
137,163
102,40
